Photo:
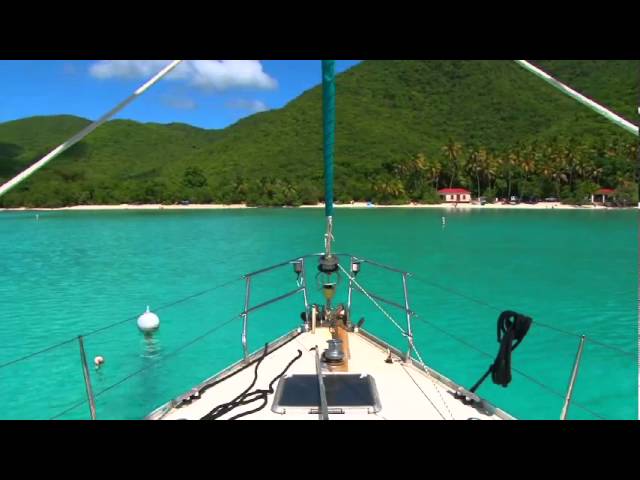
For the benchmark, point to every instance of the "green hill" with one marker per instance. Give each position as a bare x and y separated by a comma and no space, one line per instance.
507,132
614,83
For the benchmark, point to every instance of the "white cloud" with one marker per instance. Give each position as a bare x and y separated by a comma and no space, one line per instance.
205,74
251,105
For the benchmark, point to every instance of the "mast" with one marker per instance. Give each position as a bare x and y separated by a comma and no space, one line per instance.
328,266
328,128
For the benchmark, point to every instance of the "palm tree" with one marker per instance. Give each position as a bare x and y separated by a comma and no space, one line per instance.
546,169
512,163
418,168
389,188
492,168
596,172
289,192
434,168
528,166
558,176
475,164
453,151
557,159
241,187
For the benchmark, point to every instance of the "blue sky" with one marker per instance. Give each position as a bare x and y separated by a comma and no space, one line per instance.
205,93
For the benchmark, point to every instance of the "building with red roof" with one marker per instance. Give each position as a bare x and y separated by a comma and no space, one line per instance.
455,195
603,195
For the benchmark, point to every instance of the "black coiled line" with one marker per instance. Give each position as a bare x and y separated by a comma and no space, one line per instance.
512,327
247,397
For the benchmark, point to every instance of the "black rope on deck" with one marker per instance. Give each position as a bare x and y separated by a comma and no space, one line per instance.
247,397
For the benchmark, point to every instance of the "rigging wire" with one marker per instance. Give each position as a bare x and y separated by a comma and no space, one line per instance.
86,131
413,347
362,290
605,112
160,360
33,354
167,305
536,322
409,337
120,322
366,294
488,305
424,393
525,375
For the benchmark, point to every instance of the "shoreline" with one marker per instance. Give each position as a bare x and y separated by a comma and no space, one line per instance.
355,205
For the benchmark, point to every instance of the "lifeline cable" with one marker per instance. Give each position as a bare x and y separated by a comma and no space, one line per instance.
160,360
536,322
412,345
525,375
493,307
115,324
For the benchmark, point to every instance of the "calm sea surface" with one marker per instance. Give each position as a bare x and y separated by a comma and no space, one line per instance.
70,273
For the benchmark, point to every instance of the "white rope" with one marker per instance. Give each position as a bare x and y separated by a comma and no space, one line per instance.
605,112
412,345
328,237
85,131
415,349
352,279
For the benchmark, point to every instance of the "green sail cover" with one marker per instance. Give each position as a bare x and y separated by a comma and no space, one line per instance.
329,125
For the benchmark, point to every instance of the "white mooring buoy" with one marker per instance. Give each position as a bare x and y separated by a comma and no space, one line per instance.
148,321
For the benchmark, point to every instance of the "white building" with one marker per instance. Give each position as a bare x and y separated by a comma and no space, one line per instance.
455,195
603,196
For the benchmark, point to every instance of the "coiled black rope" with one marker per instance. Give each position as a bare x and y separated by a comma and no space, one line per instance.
537,322
512,328
524,374
247,397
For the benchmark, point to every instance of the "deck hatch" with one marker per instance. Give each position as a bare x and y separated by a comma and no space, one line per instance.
342,391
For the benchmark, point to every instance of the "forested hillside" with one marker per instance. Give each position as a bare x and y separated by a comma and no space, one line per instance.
404,129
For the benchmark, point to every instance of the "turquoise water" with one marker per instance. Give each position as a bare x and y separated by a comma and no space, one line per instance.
69,273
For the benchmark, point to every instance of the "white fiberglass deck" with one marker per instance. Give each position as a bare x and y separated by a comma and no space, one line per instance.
405,391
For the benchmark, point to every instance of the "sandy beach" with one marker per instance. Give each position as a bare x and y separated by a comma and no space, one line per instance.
358,205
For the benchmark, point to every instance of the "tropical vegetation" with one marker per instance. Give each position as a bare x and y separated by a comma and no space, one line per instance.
404,130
